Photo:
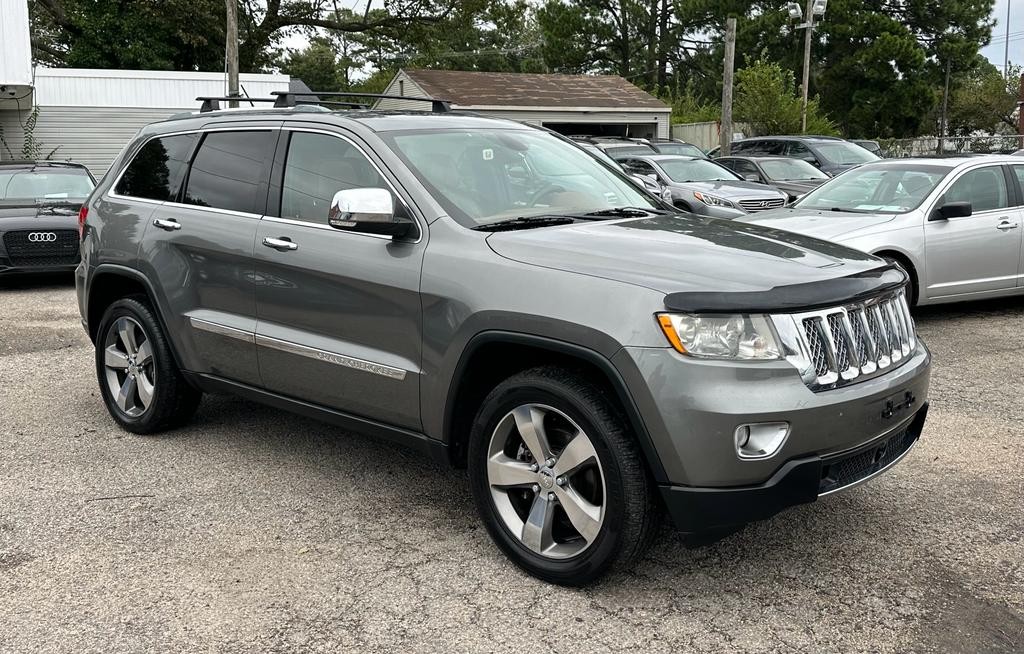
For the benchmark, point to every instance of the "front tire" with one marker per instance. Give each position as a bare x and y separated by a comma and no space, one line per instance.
558,478
140,382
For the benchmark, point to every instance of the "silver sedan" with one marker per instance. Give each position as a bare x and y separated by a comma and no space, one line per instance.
953,224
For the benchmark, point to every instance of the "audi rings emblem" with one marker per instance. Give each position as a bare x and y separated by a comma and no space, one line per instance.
42,237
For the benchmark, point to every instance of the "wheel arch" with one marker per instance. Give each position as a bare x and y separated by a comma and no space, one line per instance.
110,283
492,356
907,262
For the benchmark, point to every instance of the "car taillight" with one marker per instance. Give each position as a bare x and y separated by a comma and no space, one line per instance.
82,214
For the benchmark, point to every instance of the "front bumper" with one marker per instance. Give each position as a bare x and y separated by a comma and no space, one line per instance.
798,481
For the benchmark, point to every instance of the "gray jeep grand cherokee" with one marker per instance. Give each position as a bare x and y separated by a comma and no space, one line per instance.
494,297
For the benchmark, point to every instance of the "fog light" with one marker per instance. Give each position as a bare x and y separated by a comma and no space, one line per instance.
760,440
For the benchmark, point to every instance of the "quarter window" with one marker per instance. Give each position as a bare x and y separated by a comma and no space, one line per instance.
318,166
985,188
228,170
156,171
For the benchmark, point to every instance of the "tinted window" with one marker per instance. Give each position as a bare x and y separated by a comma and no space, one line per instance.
799,150
1019,171
227,171
318,166
984,188
636,166
740,166
157,169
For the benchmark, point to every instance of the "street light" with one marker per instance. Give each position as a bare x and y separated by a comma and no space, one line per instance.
815,9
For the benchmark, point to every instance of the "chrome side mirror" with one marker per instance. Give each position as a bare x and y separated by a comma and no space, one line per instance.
368,210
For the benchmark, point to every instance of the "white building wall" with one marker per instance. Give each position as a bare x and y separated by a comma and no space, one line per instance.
402,84
15,48
88,116
77,87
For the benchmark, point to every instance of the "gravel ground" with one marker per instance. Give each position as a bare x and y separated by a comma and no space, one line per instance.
254,530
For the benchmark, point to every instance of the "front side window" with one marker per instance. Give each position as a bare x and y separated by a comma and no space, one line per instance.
476,174
985,188
228,170
317,167
44,184
888,188
156,171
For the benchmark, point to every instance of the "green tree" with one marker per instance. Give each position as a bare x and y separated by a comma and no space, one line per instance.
317,65
985,101
766,98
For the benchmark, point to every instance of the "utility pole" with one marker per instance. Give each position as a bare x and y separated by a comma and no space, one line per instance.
1006,48
945,108
807,65
231,50
725,129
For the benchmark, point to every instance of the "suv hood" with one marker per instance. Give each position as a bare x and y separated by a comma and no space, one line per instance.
38,210
828,225
684,253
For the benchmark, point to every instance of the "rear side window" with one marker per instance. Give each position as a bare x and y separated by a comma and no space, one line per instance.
229,169
318,166
156,171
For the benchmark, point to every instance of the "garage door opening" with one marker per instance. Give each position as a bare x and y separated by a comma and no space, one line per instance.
621,130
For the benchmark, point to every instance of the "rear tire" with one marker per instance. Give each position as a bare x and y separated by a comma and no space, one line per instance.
583,504
141,385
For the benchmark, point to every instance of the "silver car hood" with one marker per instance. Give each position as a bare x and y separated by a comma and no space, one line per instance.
827,225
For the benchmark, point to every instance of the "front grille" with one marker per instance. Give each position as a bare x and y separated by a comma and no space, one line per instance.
762,205
841,345
40,251
844,471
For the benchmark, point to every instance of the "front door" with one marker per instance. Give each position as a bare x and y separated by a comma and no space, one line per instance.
199,249
338,312
978,253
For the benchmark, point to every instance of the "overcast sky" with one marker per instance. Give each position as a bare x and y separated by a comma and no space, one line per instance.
993,51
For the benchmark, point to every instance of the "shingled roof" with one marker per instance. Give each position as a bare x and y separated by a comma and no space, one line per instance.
476,89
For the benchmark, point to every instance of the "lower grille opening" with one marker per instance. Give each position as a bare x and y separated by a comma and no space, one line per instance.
847,470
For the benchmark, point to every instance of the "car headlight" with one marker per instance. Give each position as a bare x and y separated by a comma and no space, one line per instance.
721,336
712,200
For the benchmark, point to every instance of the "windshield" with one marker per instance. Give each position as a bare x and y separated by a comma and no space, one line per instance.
782,170
841,152
44,184
695,170
876,189
482,176
684,149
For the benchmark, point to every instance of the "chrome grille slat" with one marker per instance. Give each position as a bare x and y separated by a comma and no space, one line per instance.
838,345
762,204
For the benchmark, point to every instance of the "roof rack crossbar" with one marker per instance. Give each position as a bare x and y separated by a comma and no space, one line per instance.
212,103
287,98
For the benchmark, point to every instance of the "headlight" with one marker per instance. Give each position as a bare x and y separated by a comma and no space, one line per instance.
717,336
712,200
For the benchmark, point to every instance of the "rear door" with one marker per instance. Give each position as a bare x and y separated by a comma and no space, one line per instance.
199,247
981,252
1018,177
339,312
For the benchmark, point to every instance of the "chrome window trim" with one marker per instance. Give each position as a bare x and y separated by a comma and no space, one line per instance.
222,330
326,356
420,223
202,130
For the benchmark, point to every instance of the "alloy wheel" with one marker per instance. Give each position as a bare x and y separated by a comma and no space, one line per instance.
129,366
546,481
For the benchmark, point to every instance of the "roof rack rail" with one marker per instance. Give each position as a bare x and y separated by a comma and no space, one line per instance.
288,98
212,103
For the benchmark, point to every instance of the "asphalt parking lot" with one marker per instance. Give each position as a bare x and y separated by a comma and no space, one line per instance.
255,530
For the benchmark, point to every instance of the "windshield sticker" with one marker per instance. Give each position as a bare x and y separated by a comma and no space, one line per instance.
488,154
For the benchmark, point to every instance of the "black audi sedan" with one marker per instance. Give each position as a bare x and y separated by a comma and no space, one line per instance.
39,215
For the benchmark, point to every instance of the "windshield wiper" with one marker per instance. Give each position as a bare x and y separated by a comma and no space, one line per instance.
625,212
524,222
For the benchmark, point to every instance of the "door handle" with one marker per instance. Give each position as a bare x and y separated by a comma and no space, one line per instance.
282,244
169,225
1005,225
